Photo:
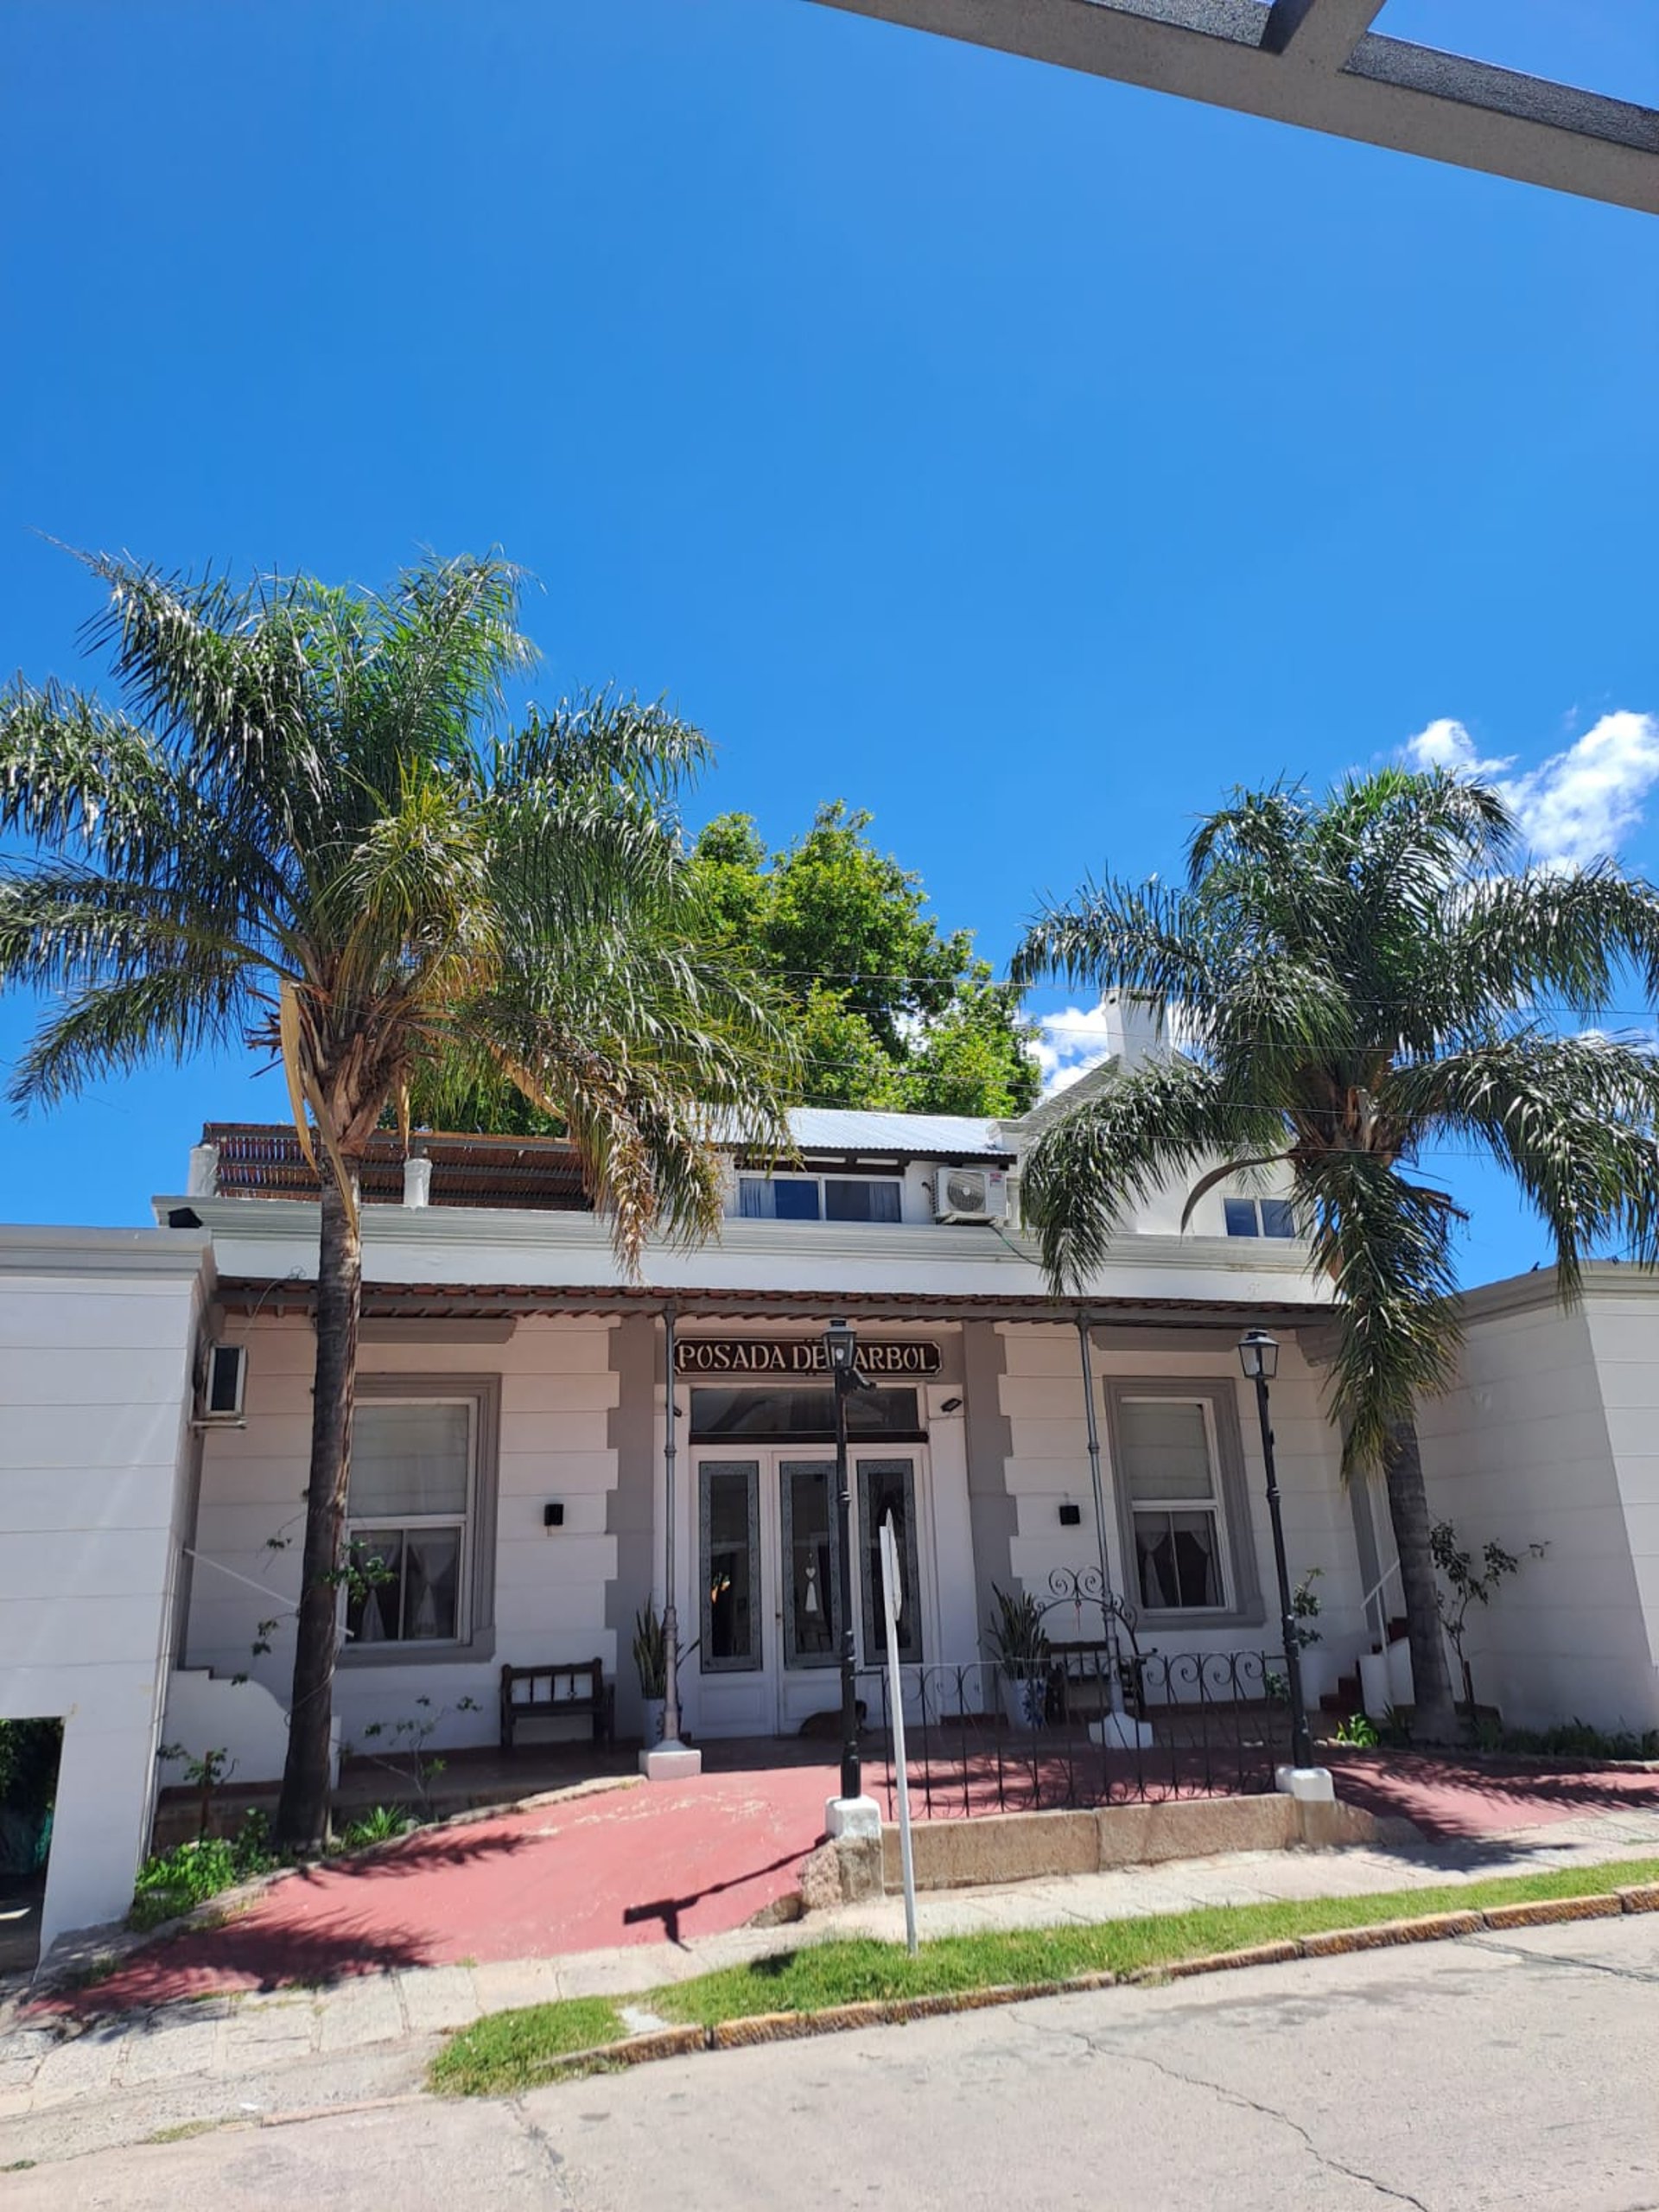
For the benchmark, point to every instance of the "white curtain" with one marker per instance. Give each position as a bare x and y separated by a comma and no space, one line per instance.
410,1458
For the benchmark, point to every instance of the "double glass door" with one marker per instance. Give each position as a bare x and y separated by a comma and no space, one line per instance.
769,1561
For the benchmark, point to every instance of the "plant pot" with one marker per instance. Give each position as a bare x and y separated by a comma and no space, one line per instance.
1023,1701
655,1707
1321,1670
1375,1694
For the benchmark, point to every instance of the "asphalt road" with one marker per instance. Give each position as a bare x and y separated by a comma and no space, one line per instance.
1520,2072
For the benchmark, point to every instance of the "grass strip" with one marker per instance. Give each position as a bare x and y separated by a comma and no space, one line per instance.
507,2051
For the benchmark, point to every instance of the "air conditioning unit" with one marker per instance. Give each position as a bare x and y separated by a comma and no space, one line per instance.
224,1382
970,1194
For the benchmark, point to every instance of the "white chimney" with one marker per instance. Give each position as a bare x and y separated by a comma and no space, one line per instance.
418,1180
203,1180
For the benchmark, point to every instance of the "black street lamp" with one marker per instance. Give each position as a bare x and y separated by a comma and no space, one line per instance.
841,1349
1258,1355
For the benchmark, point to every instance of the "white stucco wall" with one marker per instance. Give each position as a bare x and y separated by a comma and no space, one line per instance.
556,1395
1041,1394
97,1338
1549,1438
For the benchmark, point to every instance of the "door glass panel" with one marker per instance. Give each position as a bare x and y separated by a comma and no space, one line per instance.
889,1486
812,1601
729,1516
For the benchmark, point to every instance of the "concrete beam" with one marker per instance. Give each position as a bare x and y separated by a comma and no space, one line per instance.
1315,63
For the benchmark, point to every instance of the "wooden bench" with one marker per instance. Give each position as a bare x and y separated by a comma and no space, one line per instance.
1085,1661
559,1693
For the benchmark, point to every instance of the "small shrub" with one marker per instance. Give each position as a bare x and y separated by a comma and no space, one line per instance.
1576,1738
172,1882
1357,1732
382,1825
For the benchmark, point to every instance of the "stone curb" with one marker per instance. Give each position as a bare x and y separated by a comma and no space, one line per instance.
756,2028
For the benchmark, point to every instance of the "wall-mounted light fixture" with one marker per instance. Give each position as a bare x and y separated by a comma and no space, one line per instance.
553,1513
1070,1516
950,1405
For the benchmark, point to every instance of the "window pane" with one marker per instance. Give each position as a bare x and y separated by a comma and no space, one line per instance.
754,1198
431,1582
728,1505
888,1486
410,1458
411,1586
374,1608
1276,1217
1165,1448
811,1599
795,1197
847,1199
1176,1556
792,1416
1241,1217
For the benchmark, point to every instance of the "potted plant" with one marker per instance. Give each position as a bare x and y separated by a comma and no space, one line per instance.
1320,1668
1019,1644
651,1658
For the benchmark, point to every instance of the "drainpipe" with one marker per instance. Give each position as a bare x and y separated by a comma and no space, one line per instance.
1115,1683
670,1622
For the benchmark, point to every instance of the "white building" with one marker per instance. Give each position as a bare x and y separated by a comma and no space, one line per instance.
511,1460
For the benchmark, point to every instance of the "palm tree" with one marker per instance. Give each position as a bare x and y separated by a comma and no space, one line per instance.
1355,982
309,828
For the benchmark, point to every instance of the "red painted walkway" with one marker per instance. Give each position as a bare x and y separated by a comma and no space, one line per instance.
630,1865
1453,1800
668,1861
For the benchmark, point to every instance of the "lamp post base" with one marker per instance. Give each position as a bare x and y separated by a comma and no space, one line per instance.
852,1816
671,1762
1311,1785
1120,1732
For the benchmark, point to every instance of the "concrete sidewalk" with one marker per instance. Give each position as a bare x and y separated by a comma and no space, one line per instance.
74,2084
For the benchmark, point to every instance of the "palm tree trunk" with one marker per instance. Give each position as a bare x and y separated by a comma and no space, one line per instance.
302,1811
1435,1720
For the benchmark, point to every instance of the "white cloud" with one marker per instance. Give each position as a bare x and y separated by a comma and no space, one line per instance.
1447,745
1580,802
1074,1040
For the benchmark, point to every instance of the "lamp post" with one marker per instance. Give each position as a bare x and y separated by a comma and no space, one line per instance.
841,1351
1258,1355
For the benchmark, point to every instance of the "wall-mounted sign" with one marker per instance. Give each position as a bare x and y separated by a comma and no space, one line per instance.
771,1356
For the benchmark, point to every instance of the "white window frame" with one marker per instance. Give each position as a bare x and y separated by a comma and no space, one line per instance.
474,1636
1260,1230
790,1175
1235,1544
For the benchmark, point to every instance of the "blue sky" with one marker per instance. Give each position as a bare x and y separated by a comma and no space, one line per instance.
1022,456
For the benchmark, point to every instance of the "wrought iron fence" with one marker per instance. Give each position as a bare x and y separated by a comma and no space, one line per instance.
1090,1718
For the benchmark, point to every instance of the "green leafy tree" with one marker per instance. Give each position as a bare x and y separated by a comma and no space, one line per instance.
1357,981
309,828
890,1013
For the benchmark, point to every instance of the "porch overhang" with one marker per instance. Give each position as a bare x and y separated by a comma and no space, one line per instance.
1318,64
436,1302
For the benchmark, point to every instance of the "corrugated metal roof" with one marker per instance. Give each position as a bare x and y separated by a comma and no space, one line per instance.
934,1137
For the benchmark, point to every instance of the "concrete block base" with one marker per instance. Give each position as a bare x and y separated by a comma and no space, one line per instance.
1118,1732
670,1762
853,1817
1309,1785
1025,1847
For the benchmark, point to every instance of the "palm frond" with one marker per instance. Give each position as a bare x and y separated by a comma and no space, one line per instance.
1125,1145
165,1013
1574,1120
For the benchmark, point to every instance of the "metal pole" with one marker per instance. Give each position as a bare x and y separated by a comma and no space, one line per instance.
1302,1740
670,1619
852,1779
1114,1684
